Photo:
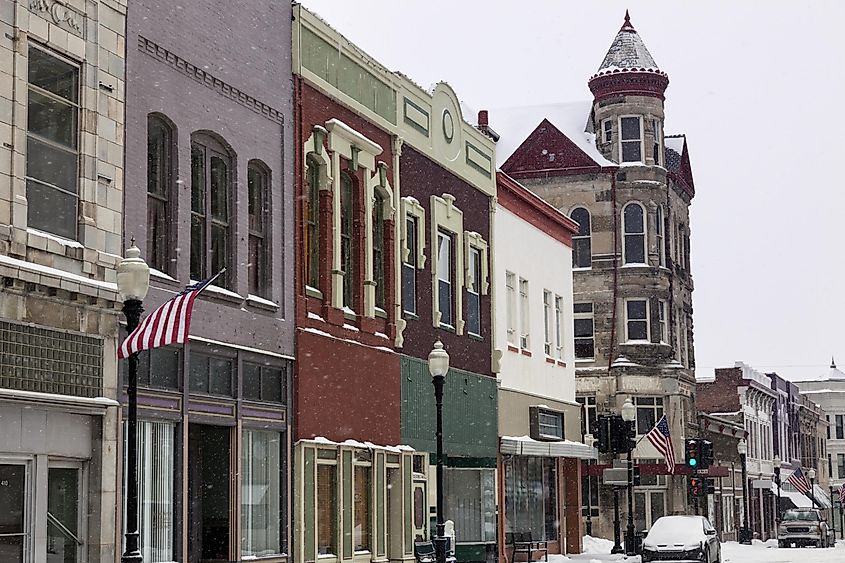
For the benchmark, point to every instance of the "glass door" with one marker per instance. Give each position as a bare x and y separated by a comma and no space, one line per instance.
13,514
64,536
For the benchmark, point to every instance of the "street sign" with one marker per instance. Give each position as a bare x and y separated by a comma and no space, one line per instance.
615,476
761,484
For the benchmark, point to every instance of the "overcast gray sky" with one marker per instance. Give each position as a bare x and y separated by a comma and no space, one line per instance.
758,88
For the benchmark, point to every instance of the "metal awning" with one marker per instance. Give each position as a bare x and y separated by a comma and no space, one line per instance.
523,445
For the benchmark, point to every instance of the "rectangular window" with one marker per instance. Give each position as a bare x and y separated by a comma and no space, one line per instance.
662,309
312,224
327,509
258,184
657,126
547,321
378,250
840,464
263,383
584,331
607,130
631,139
474,293
261,493
409,267
588,420
531,497
210,375
444,278
209,212
649,411
840,427
510,287
159,368
159,181
347,246
636,320
550,424
469,500
590,495
156,492
524,327
52,137
559,327
361,529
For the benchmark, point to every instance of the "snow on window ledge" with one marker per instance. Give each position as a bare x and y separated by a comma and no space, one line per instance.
257,301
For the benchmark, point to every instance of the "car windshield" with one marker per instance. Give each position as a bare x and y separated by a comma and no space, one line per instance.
676,530
800,515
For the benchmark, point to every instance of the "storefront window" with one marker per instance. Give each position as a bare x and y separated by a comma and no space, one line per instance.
470,502
361,531
63,535
261,493
531,496
326,509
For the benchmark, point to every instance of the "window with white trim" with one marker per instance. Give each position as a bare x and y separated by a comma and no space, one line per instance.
588,421
445,283
659,228
662,311
607,130
636,320
52,143
634,227
474,292
409,266
582,252
524,327
649,411
547,321
550,424
446,219
559,327
631,138
584,331
510,297
657,127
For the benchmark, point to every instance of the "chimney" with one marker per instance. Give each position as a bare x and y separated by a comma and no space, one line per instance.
484,125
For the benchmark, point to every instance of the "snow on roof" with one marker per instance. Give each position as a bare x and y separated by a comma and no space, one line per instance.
675,142
627,52
832,374
514,124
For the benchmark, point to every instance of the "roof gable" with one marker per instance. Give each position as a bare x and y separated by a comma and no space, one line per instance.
678,161
547,148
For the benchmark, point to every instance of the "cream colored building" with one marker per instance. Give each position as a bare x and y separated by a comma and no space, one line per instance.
61,199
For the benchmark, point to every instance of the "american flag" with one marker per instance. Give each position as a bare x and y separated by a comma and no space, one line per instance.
799,481
842,493
661,439
169,324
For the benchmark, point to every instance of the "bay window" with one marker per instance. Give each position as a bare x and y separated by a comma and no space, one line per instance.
662,312
631,139
649,411
210,194
659,232
52,143
636,320
633,224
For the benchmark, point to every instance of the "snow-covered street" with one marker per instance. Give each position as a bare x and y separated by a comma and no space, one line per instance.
732,552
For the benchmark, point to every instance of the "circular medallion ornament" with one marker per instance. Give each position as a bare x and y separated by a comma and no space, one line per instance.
448,126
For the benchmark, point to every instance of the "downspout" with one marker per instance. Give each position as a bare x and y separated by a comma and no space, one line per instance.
16,38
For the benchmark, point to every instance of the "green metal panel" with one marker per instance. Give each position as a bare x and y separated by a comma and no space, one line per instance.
470,420
347,503
380,509
310,522
471,552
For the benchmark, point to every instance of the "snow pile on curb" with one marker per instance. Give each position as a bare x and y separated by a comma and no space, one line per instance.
597,545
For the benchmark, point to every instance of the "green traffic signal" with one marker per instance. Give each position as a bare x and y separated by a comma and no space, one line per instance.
693,462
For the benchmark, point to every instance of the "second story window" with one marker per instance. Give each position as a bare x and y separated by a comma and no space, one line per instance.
588,421
210,191
559,327
657,126
524,327
659,235
582,250
409,266
662,313
159,182
378,250
840,426
445,274
547,322
347,246
510,289
636,320
649,411
584,331
258,184
633,223
474,292
631,139
52,136
311,234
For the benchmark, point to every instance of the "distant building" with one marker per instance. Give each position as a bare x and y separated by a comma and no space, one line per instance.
724,507
608,165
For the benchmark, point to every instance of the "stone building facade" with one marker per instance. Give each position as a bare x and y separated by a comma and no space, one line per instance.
608,165
62,90
209,186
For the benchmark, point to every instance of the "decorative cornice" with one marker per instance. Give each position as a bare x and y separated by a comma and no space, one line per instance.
63,16
208,80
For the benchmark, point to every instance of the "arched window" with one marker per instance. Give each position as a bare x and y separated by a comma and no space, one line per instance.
378,249
347,246
211,180
311,235
659,229
582,246
258,184
633,223
159,192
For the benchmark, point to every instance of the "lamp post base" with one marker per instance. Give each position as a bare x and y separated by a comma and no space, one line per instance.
132,553
745,536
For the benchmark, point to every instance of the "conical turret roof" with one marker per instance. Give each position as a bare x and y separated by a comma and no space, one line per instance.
627,52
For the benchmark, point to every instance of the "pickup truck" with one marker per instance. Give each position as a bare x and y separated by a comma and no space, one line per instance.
804,526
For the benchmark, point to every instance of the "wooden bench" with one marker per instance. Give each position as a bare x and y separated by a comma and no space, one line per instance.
522,542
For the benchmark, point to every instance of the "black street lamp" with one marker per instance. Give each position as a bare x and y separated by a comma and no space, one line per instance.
629,415
133,281
812,475
744,531
590,441
438,366
776,464
832,512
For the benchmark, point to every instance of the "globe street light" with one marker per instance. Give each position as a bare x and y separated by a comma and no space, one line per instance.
133,281
438,366
629,415
744,531
776,464
812,475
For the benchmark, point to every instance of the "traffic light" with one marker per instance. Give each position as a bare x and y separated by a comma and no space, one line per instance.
620,432
705,449
693,455
696,487
710,486
637,480
603,434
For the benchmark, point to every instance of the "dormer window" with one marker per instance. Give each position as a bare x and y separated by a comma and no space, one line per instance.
631,139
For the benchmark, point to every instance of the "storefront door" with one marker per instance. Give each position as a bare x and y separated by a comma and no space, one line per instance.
208,493
13,500
64,495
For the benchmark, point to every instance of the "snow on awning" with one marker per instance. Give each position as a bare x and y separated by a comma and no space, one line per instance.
524,445
802,501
